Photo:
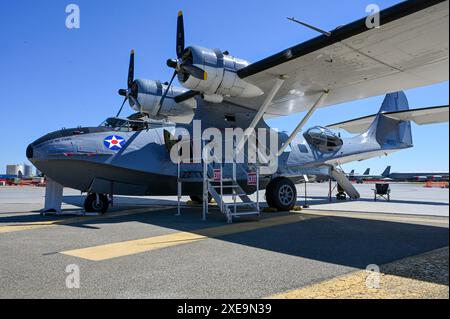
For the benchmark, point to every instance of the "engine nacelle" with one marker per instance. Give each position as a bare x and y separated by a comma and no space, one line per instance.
148,94
222,79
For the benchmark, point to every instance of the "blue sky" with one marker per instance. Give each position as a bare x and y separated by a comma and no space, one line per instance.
52,77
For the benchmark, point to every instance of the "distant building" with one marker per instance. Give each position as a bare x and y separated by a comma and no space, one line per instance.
27,170
15,170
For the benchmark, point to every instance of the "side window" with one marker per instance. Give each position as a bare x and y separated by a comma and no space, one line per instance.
303,148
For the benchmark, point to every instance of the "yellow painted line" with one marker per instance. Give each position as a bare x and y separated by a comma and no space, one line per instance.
131,247
384,217
46,224
27,226
417,277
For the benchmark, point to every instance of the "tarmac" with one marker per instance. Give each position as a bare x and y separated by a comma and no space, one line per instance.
140,249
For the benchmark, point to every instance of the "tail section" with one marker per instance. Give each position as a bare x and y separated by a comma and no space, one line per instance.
386,172
396,108
394,102
389,132
367,172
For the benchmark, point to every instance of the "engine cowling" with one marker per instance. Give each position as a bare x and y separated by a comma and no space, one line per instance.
222,79
148,94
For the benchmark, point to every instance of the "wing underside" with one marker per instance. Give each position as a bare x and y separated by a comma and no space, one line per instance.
409,49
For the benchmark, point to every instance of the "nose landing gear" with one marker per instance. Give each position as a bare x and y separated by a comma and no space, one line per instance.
96,203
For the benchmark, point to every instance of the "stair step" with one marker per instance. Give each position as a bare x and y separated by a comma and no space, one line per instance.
240,204
223,180
226,186
244,214
191,180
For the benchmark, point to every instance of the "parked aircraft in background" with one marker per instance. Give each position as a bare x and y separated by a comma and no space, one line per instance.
352,176
360,179
419,176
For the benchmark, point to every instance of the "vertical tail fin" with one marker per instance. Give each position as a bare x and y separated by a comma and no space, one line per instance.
386,172
388,132
367,172
394,102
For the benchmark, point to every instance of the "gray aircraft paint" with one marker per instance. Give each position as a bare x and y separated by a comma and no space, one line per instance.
80,160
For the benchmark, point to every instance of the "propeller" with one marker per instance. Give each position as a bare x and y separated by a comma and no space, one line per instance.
183,64
131,92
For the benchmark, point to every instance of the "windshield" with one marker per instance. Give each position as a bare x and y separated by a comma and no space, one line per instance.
128,125
124,124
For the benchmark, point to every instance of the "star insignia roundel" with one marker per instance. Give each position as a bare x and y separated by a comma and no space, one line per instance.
114,142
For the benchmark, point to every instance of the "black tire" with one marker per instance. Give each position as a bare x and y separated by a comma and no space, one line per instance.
269,194
282,194
91,205
199,199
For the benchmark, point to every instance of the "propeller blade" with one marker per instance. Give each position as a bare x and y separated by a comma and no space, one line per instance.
133,101
167,89
180,34
131,70
195,71
186,96
120,110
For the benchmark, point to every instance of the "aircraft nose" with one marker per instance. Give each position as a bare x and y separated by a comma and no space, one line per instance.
29,151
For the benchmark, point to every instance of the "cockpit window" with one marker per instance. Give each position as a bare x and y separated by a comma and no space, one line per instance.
125,125
323,139
128,125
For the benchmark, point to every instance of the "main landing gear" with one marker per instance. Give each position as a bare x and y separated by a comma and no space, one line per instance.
96,203
281,194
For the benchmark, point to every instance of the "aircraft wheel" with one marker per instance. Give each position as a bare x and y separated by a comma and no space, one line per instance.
199,199
269,193
282,194
94,205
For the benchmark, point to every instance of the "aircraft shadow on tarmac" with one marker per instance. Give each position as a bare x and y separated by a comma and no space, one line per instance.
337,240
77,200
343,241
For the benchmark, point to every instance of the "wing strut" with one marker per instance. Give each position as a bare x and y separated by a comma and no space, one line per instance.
303,121
279,82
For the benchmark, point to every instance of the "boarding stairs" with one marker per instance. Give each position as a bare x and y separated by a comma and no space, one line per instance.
223,187
220,181
344,182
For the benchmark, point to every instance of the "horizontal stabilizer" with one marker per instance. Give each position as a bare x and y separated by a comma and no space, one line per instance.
428,115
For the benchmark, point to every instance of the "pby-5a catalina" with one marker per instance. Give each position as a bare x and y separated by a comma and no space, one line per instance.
132,156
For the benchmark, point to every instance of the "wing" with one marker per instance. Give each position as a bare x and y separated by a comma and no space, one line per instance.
409,49
428,115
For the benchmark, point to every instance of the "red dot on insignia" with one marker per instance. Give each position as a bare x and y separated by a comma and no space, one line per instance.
114,142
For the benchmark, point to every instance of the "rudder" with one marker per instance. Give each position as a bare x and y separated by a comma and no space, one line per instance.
390,132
